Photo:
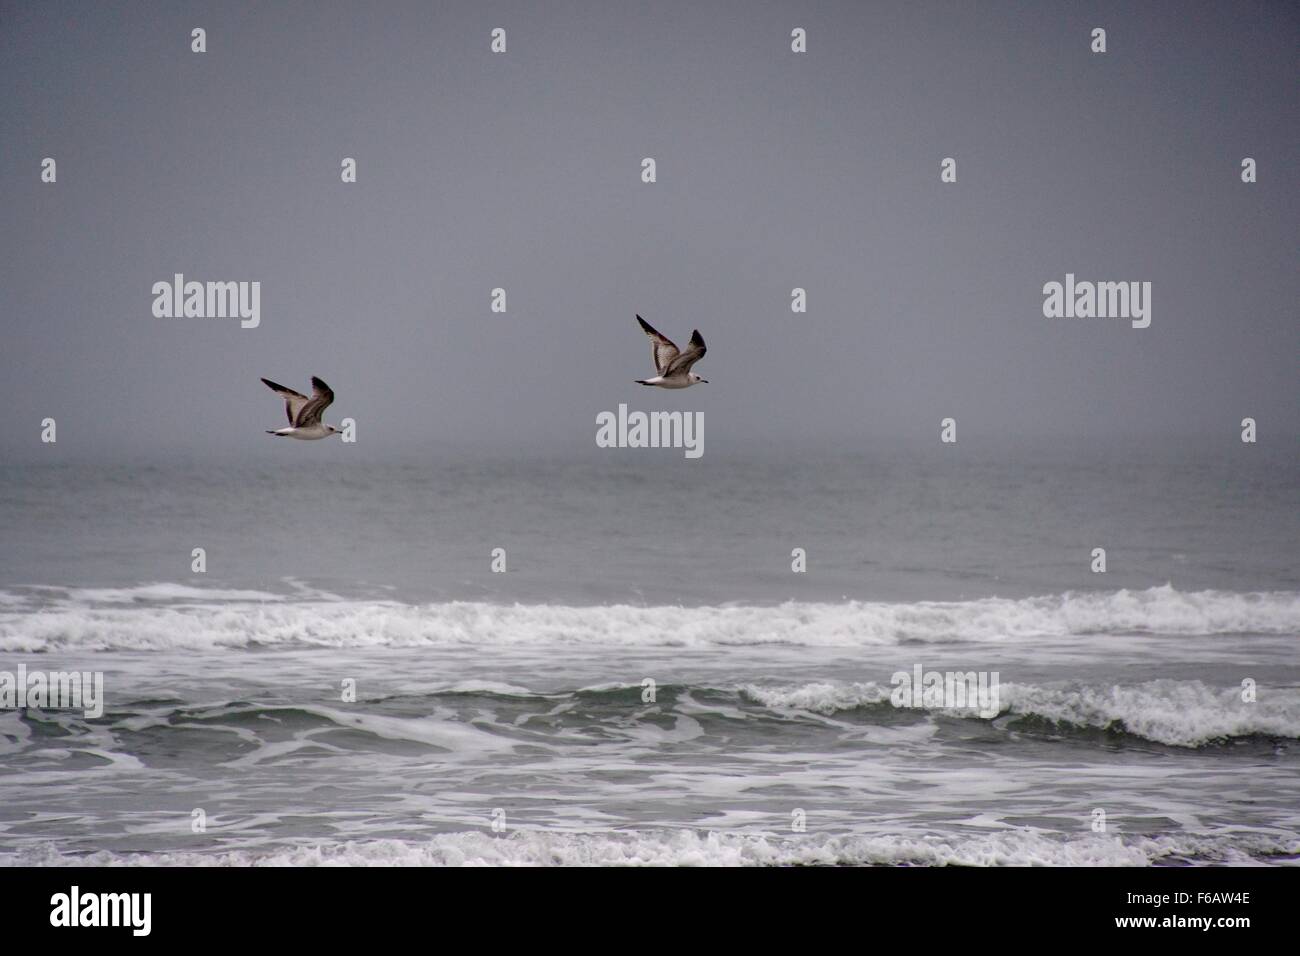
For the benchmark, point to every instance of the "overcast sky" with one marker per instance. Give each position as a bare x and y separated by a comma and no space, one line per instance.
522,170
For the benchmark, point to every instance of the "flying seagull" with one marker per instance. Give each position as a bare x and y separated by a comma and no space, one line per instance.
304,413
672,364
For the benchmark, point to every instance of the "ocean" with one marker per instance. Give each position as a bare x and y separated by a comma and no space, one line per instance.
348,681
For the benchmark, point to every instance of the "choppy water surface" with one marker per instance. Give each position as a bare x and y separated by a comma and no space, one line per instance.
769,737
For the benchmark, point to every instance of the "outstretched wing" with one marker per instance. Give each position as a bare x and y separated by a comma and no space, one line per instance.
321,398
661,349
293,401
694,352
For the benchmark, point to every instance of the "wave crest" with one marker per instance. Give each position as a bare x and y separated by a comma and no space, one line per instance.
95,619
1172,712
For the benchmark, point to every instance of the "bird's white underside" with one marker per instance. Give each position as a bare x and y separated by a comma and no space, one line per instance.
309,433
675,381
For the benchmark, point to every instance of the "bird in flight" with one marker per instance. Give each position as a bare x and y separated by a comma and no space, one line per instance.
304,413
672,364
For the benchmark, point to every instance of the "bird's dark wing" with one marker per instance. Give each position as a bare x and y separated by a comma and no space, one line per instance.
661,349
694,352
321,398
293,401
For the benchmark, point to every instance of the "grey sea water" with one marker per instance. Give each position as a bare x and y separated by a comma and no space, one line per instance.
508,718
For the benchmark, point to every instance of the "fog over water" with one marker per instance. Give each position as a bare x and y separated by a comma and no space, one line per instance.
521,171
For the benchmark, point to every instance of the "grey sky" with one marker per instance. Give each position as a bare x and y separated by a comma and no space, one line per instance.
521,170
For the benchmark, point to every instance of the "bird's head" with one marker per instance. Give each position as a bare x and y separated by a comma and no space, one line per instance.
334,431
695,378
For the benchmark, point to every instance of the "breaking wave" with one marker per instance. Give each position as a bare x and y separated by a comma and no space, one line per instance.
1171,712
166,616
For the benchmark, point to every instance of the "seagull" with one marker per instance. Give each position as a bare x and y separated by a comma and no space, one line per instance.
672,364
304,413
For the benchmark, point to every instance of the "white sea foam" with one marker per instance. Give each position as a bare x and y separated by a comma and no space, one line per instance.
1022,847
96,620
822,697
149,593
1177,713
